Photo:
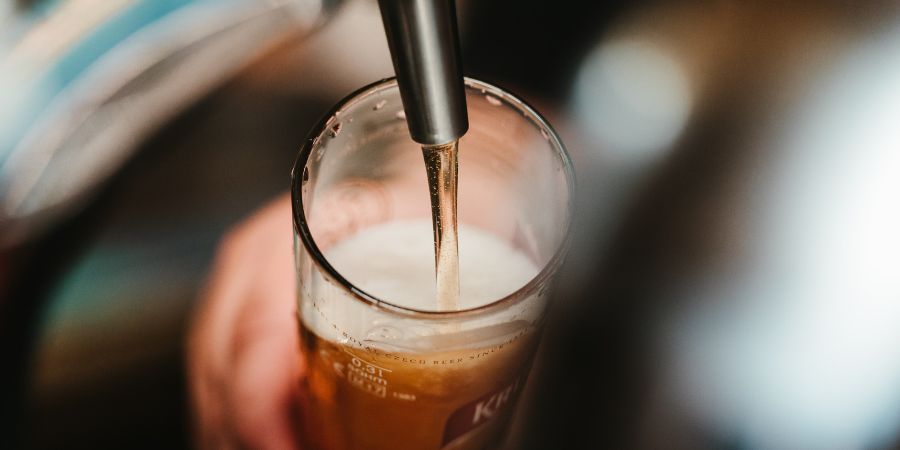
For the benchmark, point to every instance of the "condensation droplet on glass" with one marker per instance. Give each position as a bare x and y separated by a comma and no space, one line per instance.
383,333
335,129
483,91
544,134
493,100
319,155
305,178
401,115
379,105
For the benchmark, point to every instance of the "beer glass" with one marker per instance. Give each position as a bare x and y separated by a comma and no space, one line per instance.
385,373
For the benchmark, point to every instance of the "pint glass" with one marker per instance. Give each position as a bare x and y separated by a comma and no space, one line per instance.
385,367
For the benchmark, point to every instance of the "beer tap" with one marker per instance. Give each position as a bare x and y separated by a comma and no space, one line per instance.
424,43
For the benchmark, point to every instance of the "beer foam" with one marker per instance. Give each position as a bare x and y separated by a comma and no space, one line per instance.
394,262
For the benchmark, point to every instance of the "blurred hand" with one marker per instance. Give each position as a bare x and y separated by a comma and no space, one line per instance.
243,350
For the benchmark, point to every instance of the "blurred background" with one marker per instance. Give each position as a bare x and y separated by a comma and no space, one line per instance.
737,279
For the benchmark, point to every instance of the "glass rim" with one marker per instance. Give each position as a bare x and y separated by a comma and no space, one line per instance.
301,226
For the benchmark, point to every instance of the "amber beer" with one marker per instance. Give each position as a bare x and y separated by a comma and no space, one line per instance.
376,381
374,400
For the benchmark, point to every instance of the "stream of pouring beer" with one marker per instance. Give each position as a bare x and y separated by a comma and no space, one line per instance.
441,165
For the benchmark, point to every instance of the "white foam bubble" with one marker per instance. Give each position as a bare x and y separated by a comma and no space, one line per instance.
395,263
